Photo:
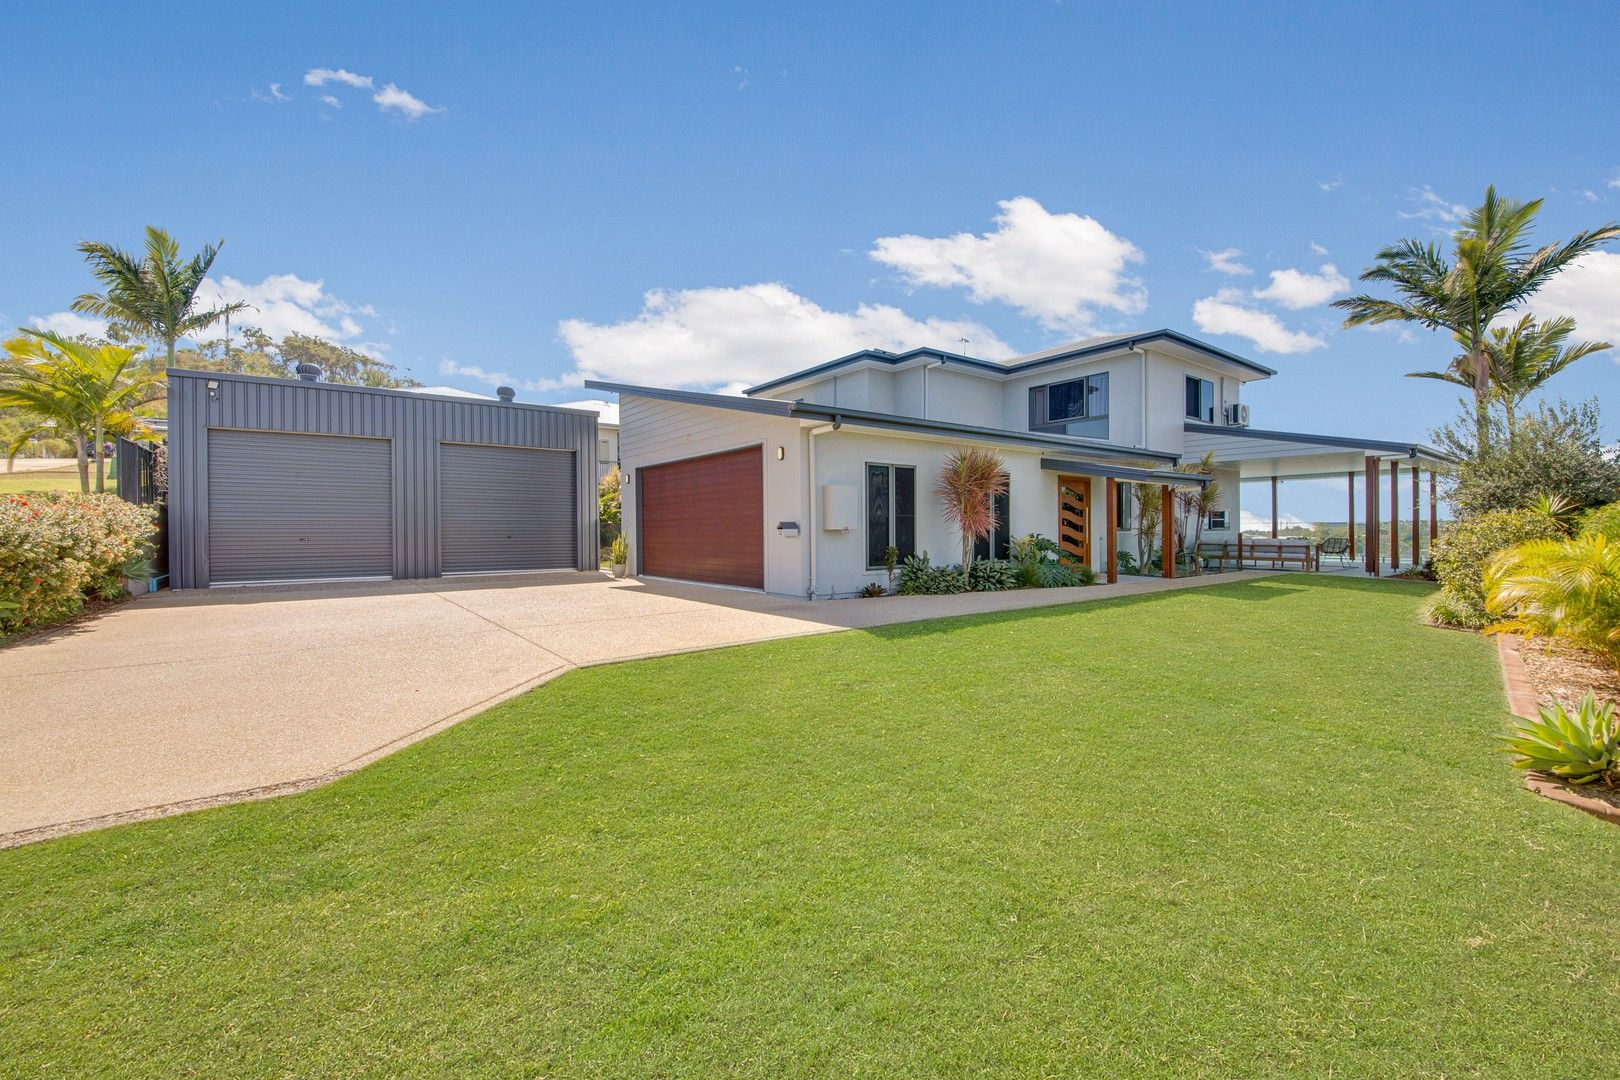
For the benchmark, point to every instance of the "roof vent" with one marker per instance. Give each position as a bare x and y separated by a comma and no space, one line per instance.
308,372
505,393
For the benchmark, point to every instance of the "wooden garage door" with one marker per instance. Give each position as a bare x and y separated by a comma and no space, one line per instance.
702,519
284,507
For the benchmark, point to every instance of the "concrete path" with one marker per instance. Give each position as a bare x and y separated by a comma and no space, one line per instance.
187,699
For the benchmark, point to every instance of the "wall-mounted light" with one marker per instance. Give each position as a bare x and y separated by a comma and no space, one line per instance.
781,453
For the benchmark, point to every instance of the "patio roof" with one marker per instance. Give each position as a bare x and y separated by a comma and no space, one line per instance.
1123,472
1260,453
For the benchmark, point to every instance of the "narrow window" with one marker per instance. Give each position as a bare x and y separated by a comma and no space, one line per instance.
891,512
998,545
1200,399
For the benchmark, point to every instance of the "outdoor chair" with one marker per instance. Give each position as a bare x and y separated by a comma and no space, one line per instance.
1336,546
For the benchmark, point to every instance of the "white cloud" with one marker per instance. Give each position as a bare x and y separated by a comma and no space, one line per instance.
1228,313
392,97
1588,291
285,304
1057,268
1589,195
1430,207
328,99
70,324
274,94
1318,249
733,337
742,77
1225,261
1615,183
1331,185
1297,289
322,76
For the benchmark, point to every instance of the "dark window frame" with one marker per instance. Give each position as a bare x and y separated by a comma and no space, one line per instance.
899,527
1205,408
1221,514
998,545
1093,388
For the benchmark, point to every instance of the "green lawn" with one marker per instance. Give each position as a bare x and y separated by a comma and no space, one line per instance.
1256,829
65,478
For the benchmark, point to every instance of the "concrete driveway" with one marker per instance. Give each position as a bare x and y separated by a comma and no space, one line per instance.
188,699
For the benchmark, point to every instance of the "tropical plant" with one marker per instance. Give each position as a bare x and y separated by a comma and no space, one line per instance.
87,390
891,561
1148,504
1196,503
619,551
872,590
1579,749
1064,574
1521,358
1567,588
1561,508
919,577
608,507
1491,270
969,480
1555,450
993,575
1126,562
1603,521
1462,554
154,296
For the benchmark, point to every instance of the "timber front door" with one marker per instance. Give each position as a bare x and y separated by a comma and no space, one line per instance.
1074,518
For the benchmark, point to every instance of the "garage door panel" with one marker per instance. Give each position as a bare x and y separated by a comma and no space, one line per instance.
702,519
285,507
505,508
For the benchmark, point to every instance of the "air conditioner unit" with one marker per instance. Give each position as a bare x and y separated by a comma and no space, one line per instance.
1237,415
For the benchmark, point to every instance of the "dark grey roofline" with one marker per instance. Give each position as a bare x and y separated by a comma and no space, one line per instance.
265,380
1127,343
803,410
1342,441
1121,472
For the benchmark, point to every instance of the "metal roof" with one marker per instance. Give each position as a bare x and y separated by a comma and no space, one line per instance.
1121,472
1019,364
1383,446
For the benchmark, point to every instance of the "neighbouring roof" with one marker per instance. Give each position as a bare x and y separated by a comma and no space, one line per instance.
1342,442
804,410
1074,350
445,391
607,413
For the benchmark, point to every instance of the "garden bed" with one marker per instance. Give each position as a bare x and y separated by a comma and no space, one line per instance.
1538,671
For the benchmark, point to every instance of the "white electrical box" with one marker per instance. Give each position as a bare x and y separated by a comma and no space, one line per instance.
840,510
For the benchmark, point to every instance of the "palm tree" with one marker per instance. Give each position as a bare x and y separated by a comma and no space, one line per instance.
969,481
1522,357
1196,503
88,389
155,296
1491,270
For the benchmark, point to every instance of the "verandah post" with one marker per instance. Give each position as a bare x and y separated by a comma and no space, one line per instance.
1167,541
1111,522
1370,564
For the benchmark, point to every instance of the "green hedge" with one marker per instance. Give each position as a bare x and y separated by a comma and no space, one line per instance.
1462,552
56,548
1603,521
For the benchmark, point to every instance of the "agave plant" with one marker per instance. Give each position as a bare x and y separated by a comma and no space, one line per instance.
1561,588
1561,508
1579,749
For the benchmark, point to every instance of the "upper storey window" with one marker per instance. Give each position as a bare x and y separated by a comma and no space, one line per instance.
1200,400
1075,407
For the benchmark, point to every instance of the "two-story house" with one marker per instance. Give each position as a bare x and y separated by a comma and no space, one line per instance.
801,485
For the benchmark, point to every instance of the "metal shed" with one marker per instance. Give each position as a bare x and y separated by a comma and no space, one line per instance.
275,480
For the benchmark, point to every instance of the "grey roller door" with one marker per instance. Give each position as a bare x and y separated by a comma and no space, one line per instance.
285,507
506,508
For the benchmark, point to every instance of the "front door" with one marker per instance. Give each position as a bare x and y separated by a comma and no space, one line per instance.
1074,518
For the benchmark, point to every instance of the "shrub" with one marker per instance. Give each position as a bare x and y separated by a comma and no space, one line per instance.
993,575
1464,550
58,547
873,590
1555,450
1065,575
1604,521
1568,589
919,577
1127,562
1578,749
619,551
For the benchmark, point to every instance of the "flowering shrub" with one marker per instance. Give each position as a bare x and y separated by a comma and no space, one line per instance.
58,547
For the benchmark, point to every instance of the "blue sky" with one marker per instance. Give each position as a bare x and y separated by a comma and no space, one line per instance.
708,198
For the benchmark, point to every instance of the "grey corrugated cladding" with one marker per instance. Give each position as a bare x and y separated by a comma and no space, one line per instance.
415,425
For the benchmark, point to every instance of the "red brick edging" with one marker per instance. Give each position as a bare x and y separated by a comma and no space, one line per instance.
1522,703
